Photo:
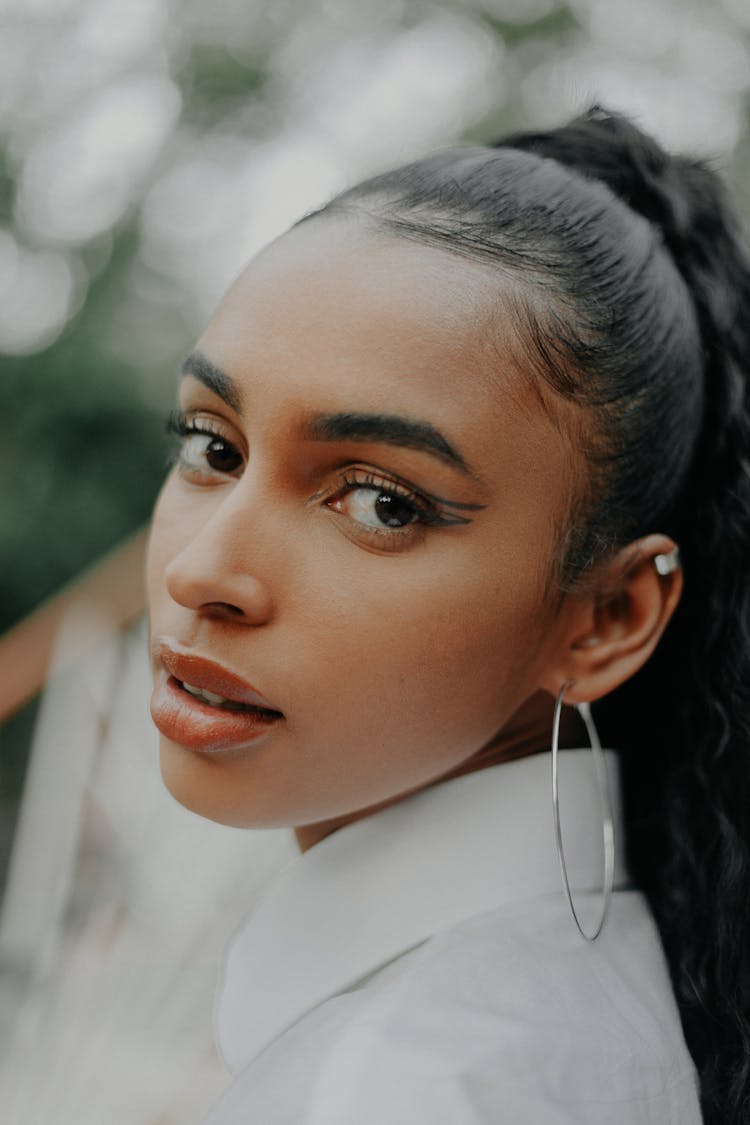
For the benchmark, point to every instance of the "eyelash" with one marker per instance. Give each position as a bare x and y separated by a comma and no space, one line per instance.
427,512
185,425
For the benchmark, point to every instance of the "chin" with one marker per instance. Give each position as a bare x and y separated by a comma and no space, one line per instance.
208,786
196,784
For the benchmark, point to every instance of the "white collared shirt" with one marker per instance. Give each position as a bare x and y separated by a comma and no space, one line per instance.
421,967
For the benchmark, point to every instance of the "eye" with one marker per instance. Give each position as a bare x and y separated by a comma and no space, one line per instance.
376,507
387,510
215,452
390,511
203,451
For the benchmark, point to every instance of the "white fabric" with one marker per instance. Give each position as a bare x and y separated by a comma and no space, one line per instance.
421,967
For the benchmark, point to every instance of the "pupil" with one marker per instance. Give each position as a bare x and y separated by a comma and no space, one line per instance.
221,456
392,511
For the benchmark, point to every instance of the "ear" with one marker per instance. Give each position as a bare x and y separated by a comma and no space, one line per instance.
609,631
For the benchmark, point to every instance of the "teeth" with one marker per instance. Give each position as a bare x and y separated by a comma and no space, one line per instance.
208,696
215,700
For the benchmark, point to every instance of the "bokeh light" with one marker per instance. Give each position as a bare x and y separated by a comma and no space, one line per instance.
78,179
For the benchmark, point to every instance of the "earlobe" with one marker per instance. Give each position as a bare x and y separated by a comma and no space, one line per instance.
616,626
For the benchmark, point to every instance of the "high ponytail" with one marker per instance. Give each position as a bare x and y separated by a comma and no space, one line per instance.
684,722
692,847
635,296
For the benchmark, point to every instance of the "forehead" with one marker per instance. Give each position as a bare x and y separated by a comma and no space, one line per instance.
401,305
333,316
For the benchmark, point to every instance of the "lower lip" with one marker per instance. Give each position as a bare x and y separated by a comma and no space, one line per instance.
190,722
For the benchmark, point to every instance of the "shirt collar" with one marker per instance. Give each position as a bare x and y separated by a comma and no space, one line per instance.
380,886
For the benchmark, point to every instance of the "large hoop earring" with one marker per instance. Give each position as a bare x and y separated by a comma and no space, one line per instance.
608,834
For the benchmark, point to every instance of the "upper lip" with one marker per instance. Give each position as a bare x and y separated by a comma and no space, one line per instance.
188,667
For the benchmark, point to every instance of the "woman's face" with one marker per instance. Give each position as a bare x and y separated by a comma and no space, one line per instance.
359,533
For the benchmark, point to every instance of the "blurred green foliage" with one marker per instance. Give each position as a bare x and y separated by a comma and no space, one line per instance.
81,452
214,83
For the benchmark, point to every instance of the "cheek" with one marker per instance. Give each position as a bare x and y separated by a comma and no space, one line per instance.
439,662
396,693
459,609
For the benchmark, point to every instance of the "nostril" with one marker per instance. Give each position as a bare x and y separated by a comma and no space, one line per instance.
223,609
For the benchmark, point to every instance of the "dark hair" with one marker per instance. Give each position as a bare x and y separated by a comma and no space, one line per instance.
632,285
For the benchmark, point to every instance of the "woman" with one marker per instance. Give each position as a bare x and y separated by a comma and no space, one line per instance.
446,449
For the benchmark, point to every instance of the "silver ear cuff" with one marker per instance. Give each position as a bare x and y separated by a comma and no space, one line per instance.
667,563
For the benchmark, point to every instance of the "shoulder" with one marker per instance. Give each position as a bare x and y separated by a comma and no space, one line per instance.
507,1017
517,993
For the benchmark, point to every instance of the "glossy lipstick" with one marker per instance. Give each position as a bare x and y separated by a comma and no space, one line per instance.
196,723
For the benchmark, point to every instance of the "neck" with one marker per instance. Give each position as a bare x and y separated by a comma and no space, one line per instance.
529,731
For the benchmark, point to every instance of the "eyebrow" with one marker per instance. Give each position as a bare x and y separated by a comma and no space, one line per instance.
389,429
201,368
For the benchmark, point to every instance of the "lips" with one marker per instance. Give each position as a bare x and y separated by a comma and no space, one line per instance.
202,705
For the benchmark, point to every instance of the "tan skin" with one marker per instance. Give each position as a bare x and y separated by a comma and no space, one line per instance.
398,655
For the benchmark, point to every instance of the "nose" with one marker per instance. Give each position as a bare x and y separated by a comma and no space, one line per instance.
214,574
